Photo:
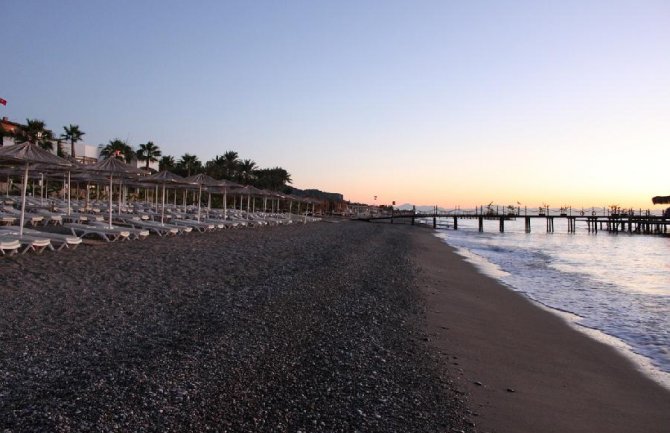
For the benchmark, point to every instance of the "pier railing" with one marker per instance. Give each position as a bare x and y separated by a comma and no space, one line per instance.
602,219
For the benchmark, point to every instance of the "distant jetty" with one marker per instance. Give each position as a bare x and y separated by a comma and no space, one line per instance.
627,221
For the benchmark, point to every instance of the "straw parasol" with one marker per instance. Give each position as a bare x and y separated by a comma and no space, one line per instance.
201,180
112,166
26,154
227,185
164,177
249,190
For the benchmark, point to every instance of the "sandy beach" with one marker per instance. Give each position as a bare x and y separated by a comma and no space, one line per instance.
525,369
308,328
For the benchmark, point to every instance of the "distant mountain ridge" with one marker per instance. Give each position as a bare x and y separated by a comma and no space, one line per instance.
317,194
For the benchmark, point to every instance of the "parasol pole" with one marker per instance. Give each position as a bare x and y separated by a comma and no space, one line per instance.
24,190
209,203
199,199
69,190
225,204
163,207
111,175
41,189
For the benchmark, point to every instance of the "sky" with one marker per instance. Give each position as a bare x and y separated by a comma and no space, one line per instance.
447,103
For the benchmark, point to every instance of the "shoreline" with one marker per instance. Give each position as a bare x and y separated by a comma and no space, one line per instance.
643,364
525,369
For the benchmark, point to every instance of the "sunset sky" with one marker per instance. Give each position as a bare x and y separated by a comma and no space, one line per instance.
428,102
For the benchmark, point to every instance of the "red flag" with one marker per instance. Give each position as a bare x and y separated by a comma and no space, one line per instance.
3,102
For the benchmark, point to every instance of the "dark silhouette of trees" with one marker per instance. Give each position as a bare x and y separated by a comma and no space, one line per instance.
72,134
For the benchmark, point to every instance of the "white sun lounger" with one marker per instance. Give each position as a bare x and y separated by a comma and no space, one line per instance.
199,226
31,218
109,235
134,232
7,218
76,217
50,217
221,223
9,246
58,240
158,228
29,243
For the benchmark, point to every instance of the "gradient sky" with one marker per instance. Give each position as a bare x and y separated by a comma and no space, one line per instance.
428,102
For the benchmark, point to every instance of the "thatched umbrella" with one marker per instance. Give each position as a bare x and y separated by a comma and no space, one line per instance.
227,185
249,190
164,177
112,165
201,180
26,154
74,166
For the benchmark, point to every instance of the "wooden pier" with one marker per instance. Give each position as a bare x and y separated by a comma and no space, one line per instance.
613,223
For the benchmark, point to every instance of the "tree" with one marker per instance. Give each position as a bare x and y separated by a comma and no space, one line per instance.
245,171
166,163
34,132
117,149
148,152
216,167
275,179
189,164
231,164
72,134
59,147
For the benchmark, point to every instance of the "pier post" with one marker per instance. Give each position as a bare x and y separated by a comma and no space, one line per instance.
455,223
527,224
481,223
434,222
502,224
550,224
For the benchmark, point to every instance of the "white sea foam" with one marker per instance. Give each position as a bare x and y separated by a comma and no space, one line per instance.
615,288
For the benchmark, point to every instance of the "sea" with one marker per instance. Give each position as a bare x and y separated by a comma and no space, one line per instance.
615,287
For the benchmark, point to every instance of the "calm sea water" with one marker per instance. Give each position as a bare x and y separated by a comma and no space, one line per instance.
614,286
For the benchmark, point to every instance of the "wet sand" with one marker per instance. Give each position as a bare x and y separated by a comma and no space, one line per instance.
525,369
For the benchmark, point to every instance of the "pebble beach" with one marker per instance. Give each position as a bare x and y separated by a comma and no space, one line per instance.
299,328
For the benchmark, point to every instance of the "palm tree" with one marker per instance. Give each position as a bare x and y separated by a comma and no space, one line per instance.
275,179
246,170
189,164
148,152
59,147
35,132
72,134
166,163
216,167
230,164
117,149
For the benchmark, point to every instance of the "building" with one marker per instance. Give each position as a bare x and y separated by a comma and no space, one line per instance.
85,153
